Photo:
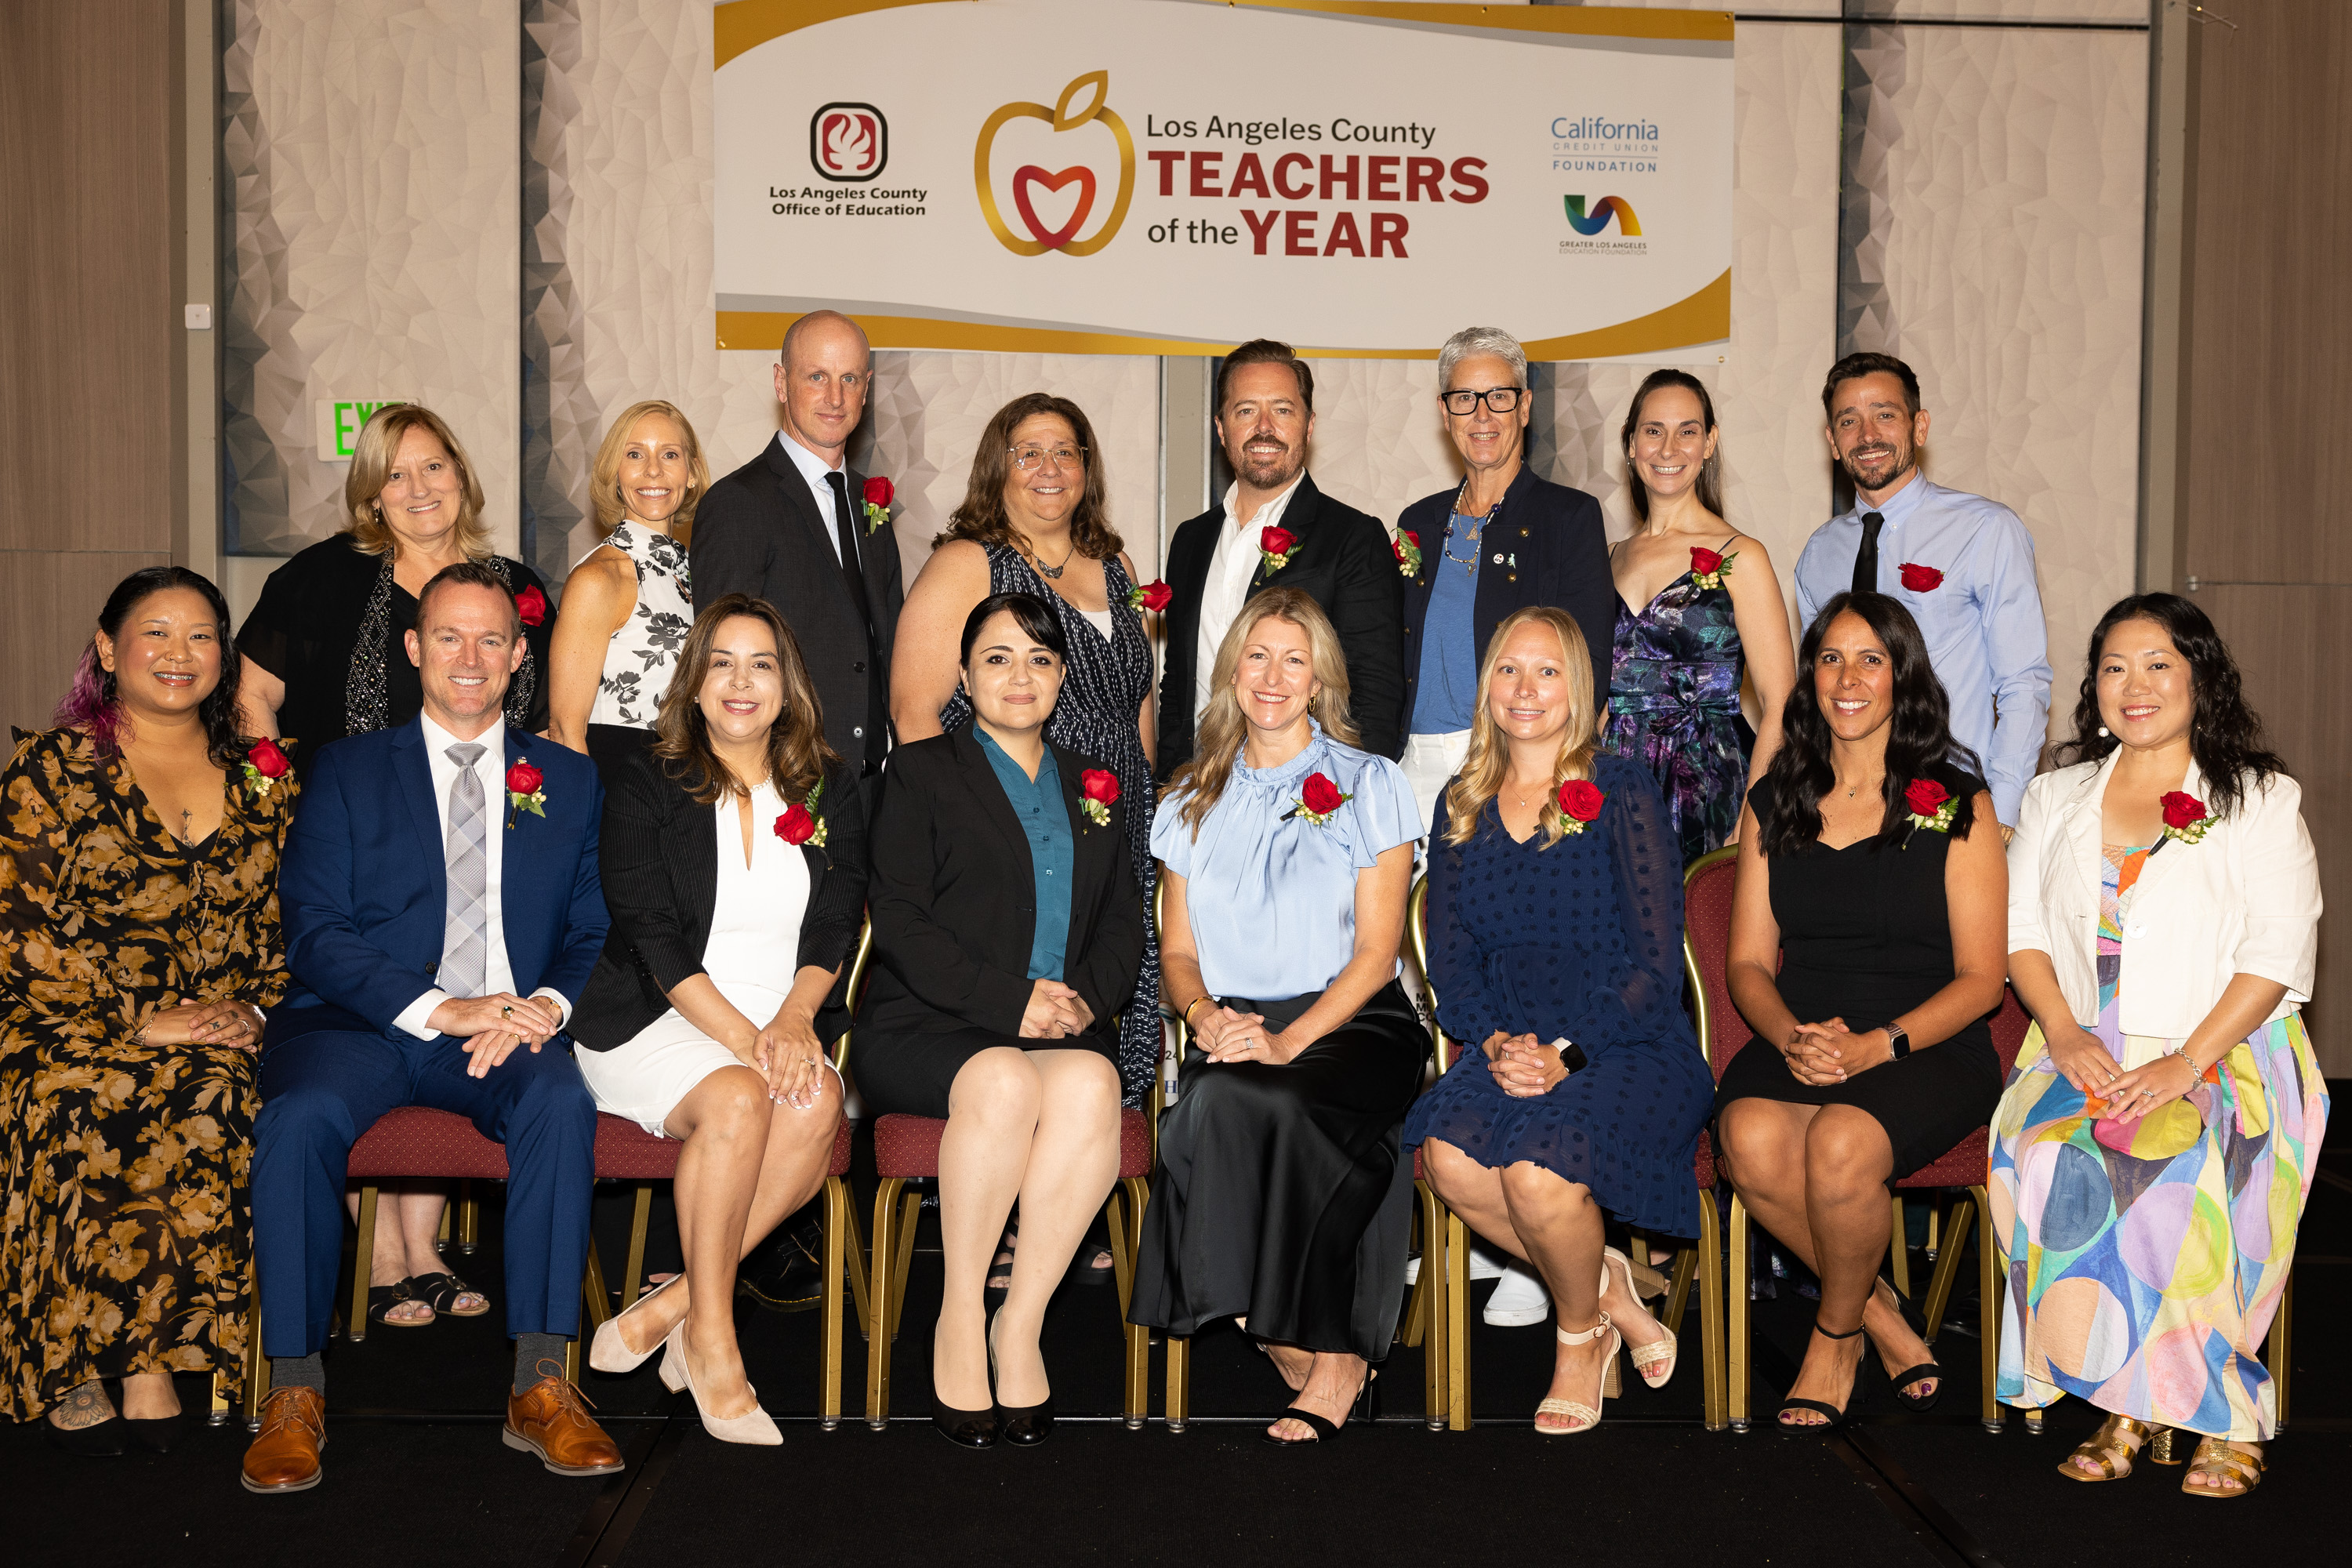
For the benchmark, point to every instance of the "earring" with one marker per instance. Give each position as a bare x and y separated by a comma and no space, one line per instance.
2103,731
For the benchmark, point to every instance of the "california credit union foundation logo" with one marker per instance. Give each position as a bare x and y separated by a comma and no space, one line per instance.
848,141
1089,171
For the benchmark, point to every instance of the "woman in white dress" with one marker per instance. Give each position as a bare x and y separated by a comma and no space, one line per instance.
628,603
734,864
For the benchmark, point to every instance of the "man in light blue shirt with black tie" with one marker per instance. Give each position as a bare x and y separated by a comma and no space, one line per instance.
1961,564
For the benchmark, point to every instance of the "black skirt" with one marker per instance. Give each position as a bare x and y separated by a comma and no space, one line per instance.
1281,1195
910,1074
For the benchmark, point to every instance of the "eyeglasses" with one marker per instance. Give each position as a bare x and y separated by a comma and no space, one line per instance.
1027,458
1501,399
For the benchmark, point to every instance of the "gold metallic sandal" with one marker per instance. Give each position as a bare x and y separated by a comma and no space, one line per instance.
2112,1448
2220,1456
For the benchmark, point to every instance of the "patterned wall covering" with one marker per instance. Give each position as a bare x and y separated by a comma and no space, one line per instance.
373,241
2005,172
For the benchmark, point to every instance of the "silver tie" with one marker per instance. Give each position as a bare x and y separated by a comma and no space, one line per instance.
465,941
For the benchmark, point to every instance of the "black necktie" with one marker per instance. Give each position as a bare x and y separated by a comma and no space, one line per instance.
846,532
1866,564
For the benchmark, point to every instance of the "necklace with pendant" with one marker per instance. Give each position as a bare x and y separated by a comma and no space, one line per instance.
1054,572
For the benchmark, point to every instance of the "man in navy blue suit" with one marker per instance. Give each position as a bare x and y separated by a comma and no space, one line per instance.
441,907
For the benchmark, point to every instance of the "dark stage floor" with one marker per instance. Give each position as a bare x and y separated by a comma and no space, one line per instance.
416,1473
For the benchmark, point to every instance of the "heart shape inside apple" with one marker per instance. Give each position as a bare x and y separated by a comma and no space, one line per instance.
1028,174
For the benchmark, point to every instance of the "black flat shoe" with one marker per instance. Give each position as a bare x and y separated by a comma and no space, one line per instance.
158,1434
102,1441
1025,1426
966,1428
1832,1417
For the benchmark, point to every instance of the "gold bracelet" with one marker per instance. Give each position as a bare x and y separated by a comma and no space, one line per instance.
1190,1005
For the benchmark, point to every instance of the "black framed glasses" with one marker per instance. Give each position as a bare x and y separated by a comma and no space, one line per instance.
1064,456
1501,399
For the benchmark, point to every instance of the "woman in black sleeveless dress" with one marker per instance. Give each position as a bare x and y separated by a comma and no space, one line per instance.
1033,521
1869,945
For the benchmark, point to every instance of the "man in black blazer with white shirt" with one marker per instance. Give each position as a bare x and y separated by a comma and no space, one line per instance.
789,527
1342,559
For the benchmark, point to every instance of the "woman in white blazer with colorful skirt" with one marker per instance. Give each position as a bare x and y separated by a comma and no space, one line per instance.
2155,1144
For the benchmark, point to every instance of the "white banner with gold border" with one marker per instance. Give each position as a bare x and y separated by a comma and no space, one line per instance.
1172,176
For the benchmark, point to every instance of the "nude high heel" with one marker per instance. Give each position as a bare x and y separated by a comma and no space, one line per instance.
1655,1360
1588,1416
609,1353
757,1427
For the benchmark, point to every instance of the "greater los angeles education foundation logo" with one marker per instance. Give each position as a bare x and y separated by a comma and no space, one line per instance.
1090,151
848,141
1603,211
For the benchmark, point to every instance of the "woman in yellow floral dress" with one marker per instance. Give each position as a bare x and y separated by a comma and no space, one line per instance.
139,845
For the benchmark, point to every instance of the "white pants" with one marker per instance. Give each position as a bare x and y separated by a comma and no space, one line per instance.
1429,762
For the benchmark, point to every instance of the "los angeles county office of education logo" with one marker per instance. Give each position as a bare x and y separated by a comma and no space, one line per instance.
1090,152
848,141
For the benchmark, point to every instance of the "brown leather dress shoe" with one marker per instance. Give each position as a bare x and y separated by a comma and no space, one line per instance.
284,1458
549,1419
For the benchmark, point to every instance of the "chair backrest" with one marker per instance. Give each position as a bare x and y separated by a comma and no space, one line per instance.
854,995
1416,926
2009,1026
1707,886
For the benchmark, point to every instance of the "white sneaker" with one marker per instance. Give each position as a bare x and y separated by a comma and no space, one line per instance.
1520,1300
1486,1265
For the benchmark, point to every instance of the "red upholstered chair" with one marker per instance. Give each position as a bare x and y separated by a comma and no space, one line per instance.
414,1143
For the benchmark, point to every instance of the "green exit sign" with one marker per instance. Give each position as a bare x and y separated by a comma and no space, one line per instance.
340,420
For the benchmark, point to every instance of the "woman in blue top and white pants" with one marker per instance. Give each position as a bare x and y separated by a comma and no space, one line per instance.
1281,1198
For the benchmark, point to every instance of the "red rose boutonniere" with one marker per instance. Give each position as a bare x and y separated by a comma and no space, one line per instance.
523,792
531,606
265,764
1407,545
879,494
1153,596
1318,798
1276,544
2185,816
1580,802
801,824
1931,805
1921,579
1098,791
1710,569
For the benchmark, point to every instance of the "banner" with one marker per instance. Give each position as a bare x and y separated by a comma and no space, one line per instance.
1168,176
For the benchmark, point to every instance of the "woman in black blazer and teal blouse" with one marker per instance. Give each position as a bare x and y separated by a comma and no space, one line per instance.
1007,932
734,864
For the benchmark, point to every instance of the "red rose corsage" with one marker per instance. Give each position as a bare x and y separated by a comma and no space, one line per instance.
523,792
531,606
1097,792
1276,544
1580,802
265,764
1709,568
2185,816
1152,595
801,824
879,494
1921,579
1407,547
1318,798
1931,805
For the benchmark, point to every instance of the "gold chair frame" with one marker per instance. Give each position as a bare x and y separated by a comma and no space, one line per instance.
844,1252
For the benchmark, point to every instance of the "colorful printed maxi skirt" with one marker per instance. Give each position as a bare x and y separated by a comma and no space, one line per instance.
2146,1260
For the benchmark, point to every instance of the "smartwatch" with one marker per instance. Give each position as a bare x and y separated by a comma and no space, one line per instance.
1899,1039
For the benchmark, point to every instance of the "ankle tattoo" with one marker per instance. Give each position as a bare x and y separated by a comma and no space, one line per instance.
84,1407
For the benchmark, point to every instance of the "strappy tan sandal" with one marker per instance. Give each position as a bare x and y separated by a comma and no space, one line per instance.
1586,1417
2220,1456
1655,1360
2112,1448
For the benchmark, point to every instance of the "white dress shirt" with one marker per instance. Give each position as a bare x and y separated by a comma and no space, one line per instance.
814,469
491,767
1231,566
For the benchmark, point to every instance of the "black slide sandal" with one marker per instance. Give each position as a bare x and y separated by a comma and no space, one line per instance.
382,1299
440,1292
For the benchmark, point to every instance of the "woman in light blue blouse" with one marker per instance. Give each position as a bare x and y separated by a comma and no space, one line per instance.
1287,853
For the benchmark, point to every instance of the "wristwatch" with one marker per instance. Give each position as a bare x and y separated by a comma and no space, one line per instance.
1898,1039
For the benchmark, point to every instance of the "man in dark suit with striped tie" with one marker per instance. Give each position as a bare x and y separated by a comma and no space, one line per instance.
441,905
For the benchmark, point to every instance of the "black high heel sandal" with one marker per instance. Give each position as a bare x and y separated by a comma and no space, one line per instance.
1325,1431
1833,1417
1930,1368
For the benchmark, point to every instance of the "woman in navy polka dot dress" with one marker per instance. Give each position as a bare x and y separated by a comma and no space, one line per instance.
1555,950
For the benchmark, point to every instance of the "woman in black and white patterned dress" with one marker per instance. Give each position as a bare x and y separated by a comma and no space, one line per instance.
1034,521
628,603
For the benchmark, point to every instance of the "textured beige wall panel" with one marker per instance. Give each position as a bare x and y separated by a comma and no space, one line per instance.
2015,166
377,214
